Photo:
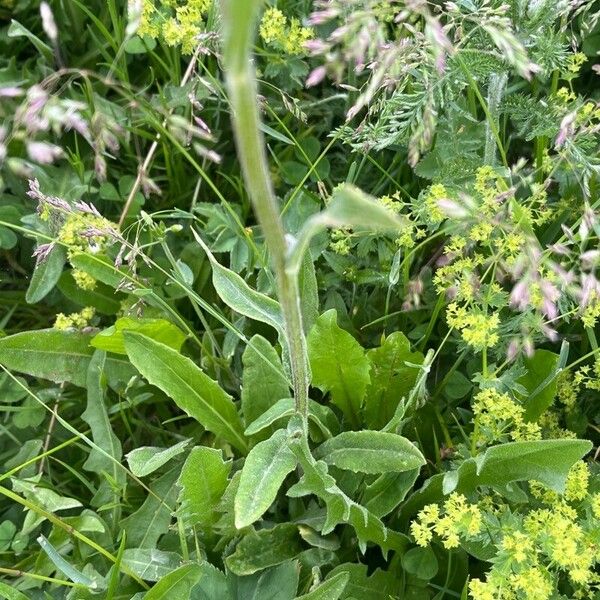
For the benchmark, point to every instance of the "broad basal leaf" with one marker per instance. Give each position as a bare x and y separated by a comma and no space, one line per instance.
202,482
331,589
266,548
177,585
266,466
370,452
60,356
391,378
546,461
339,366
193,391
160,330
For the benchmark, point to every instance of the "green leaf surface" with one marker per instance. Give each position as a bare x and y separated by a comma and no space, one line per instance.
331,589
387,491
239,296
9,593
266,466
263,379
147,459
150,564
160,330
379,585
203,481
278,583
339,366
546,461
391,378
46,275
370,452
103,298
266,548
540,368
193,391
177,585
60,356
96,416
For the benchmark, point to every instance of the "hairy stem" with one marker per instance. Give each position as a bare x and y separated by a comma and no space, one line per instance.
239,22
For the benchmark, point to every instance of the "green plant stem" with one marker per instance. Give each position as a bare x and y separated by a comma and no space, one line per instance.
240,78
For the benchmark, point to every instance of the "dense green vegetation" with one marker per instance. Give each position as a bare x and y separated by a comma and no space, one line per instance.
299,300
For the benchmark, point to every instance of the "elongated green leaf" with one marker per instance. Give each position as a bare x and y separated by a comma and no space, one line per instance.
8,592
387,491
99,267
160,330
60,356
339,366
177,585
370,452
546,461
265,548
239,296
193,391
263,379
17,30
203,481
150,564
331,589
63,565
96,416
46,275
280,410
309,293
391,379
146,459
266,466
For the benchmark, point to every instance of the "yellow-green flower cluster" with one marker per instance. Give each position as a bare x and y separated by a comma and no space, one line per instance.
477,328
76,320
455,519
575,62
83,279
591,313
435,193
498,418
287,35
176,23
83,232
340,241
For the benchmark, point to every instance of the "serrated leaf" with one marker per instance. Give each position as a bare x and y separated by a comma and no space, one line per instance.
339,366
391,378
212,585
46,275
146,459
266,548
203,481
160,330
265,468
192,390
331,589
177,585
370,452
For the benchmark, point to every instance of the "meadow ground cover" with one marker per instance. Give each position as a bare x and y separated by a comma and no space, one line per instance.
299,299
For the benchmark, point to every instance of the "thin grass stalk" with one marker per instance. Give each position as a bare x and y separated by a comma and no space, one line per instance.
239,20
